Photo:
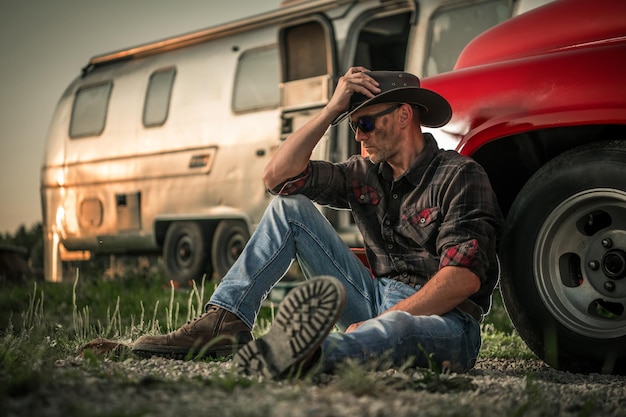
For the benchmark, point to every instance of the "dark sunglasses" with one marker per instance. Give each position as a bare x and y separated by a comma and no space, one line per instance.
366,123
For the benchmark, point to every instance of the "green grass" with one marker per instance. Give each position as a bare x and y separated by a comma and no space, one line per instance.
43,322
500,339
92,307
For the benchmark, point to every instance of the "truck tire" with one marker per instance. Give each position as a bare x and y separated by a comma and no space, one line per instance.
564,260
185,252
229,239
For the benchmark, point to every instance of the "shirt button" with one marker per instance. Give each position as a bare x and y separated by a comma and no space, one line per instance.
387,222
422,220
390,246
362,197
395,196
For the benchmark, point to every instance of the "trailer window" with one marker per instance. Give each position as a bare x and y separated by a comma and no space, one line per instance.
451,29
256,81
307,51
157,104
89,111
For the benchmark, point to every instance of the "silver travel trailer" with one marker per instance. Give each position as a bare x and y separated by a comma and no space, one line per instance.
159,148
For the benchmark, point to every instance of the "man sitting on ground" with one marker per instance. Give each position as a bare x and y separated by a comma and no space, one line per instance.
429,221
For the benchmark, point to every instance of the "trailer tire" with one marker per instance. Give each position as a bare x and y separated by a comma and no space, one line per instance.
229,239
185,252
564,260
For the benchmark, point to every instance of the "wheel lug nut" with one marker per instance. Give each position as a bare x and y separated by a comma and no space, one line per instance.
609,286
594,265
607,243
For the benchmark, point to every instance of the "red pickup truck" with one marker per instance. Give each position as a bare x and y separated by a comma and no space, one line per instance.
540,102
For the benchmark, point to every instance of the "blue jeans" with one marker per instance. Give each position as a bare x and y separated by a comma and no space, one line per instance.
293,228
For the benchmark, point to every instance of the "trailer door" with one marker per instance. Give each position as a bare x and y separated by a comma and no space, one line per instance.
308,67
315,51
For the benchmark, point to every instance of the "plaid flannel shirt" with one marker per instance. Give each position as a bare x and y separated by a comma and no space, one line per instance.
441,212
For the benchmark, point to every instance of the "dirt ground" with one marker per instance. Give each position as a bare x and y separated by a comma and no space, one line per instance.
163,387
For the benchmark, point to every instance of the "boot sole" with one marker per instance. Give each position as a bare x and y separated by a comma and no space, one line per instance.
303,320
170,352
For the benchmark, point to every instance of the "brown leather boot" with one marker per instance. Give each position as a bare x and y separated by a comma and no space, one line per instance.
215,333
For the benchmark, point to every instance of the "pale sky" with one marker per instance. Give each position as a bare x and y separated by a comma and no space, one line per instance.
43,46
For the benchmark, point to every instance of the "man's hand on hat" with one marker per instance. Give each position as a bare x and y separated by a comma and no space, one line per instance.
355,80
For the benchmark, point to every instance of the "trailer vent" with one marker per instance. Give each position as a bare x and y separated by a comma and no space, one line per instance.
128,208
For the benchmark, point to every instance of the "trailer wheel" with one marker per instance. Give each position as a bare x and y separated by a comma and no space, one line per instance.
564,260
229,239
185,252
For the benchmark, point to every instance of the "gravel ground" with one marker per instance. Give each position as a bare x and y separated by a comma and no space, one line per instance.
162,387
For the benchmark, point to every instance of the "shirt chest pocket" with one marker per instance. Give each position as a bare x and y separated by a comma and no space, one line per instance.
421,225
366,195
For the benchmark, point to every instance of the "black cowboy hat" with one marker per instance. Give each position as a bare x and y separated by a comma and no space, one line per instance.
402,87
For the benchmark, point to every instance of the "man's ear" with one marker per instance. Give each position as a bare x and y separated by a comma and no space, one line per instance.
406,114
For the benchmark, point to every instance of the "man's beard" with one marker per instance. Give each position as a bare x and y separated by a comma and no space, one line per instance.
384,152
